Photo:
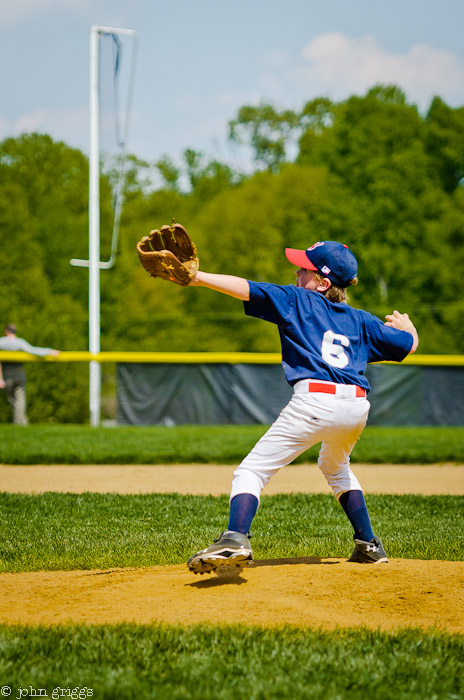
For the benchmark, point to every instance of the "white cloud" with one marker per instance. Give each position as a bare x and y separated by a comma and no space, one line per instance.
337,65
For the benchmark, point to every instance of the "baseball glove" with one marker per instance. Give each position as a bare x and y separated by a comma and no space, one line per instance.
169,254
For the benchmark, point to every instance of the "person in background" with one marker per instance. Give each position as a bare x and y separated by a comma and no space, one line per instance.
12,374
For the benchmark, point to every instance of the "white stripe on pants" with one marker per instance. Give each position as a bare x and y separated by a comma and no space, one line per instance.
335,420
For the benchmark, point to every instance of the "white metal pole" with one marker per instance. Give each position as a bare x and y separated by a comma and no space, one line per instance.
94,232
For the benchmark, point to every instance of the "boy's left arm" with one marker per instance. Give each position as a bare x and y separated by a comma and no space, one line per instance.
402,322
233,286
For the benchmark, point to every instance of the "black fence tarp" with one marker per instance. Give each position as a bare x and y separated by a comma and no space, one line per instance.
213,394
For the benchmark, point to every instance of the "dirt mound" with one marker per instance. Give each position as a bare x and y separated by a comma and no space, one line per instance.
319,593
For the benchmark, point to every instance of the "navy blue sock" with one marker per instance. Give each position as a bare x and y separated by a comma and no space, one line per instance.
354,505
243,509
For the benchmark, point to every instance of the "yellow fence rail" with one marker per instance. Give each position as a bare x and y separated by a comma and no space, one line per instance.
260,358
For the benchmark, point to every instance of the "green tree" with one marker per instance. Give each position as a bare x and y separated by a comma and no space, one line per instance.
169,172
445,143
40,200
54,181
267,131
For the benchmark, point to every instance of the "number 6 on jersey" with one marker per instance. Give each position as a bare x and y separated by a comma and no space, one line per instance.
332,352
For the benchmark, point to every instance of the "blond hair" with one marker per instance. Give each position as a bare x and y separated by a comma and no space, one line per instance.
334,293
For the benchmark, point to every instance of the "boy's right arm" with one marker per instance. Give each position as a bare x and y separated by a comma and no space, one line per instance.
236,287
402,322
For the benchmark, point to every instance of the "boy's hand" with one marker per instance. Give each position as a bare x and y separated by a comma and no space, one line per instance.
399,321
402,322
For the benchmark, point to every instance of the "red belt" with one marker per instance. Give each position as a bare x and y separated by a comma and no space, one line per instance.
332,389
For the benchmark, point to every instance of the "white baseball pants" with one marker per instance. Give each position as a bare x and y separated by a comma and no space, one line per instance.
337,420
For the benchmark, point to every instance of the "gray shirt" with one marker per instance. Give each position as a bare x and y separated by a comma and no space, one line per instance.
15,370
14,344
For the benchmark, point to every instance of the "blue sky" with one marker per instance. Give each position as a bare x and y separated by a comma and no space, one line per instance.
200,60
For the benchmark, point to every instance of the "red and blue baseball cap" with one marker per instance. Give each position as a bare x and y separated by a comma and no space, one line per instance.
333,260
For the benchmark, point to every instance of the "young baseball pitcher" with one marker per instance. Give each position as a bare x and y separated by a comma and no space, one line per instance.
326,345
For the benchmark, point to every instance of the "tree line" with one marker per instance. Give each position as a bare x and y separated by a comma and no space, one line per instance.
371,171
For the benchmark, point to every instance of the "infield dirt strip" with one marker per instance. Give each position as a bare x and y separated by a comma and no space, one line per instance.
307,591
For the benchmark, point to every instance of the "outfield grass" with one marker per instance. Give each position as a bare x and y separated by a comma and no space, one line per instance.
175,663
99,531
228,444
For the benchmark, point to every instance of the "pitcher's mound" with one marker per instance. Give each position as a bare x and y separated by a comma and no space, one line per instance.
314,592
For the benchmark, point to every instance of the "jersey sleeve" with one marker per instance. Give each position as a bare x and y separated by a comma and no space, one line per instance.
270,302
387,343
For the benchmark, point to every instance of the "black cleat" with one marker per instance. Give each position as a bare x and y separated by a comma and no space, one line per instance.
369,552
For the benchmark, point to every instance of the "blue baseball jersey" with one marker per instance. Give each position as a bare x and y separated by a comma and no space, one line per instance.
325,340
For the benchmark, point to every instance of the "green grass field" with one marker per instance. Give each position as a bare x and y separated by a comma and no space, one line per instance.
67,531
226,663
94,531
77,444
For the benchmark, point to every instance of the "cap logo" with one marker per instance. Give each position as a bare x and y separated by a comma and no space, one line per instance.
326,270
316,245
